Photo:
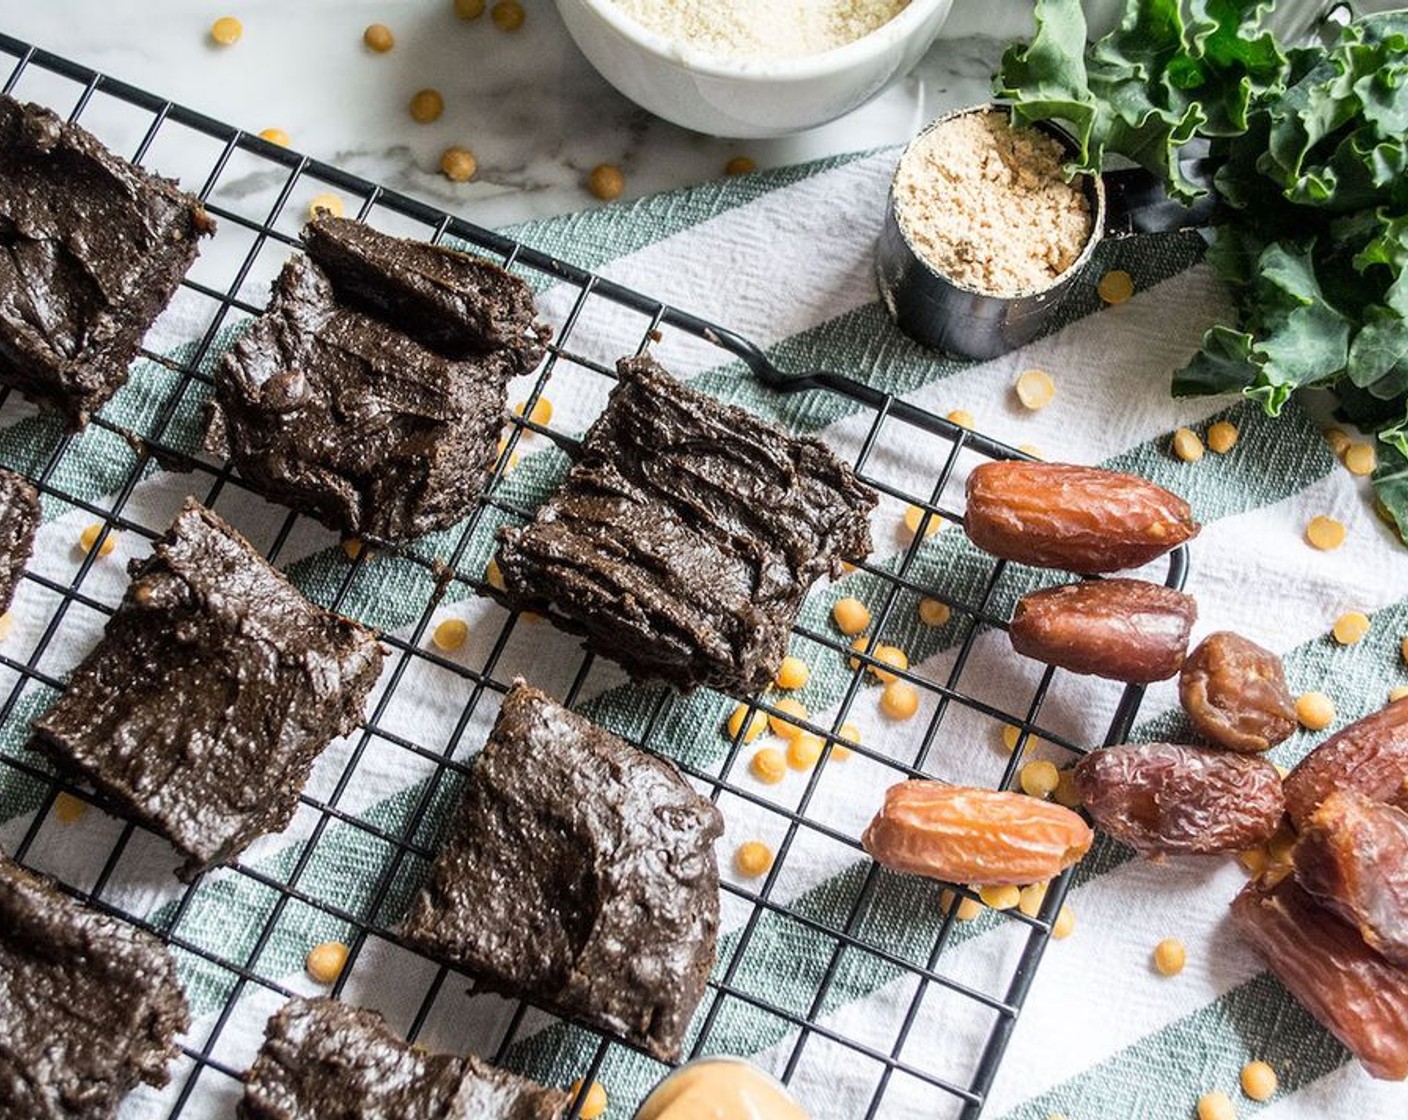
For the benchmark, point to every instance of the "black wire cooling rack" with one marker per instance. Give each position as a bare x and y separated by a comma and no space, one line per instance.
901,583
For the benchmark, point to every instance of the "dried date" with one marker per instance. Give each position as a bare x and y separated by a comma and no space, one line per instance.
1351,990
1083,519
1120,629
1167,799
1370,755
964,835
1235,693
1353,858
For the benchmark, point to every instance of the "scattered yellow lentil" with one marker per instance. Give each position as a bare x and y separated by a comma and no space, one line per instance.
1338,439
757,723
606,182
1010,734
892,656
68,809
1116,286
768,765
740,165
1258,1081
354,548
1350,627
594,1103
752,859
507,15
792,673
783,726
327,202
492,576
934,613
1066,792
899,700
1360,459
804,750
1315,710
962,417
541,413
458,165
915,515
469,9
968,908
426,106
1216,1106
1325,533
512,457
1187,446
325,962
1170,956
1030,449
863,644
1032,898
1394,694
839,751
276,136
1222,437
1000,898
1040,778
1035,388
226,31
1403,649
378,38
1065,923
851,615
450,635
89,537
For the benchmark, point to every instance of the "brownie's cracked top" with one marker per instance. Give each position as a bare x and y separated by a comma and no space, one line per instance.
91,251
371,393
19,520
578,872
89,1006
323,1060
214,688
683,541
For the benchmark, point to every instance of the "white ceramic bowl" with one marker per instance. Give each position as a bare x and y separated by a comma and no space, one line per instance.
754,97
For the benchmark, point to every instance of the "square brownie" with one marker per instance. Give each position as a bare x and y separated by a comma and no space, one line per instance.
684,539
93,250
19,521
89,1006
323,1059
371,393
214,688
579,872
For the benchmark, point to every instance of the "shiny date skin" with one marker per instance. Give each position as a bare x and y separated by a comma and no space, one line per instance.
983,836
1235,694
1370,755
1120,629
1168,799
1352,991
1082,519
1353,858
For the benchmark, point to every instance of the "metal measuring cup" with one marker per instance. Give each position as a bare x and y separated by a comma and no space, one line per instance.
939,312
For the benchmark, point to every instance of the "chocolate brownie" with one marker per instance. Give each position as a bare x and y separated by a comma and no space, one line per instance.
19,521
684,539
89,1006
371,393
323,1060
91,249
579,873
214,688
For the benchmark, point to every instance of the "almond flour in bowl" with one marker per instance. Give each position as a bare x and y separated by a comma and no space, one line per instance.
759,29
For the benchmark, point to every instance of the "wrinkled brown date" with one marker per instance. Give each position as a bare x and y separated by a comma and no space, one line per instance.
965,835
1120,629
1167,799
1235,693
1353,857
1351,991
1370,755
1083,519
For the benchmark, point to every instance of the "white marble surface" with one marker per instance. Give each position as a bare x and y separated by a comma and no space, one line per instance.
530,107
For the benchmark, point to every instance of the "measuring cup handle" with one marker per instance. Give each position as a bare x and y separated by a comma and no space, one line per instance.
1136,202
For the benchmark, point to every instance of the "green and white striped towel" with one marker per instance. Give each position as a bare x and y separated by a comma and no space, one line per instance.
785,259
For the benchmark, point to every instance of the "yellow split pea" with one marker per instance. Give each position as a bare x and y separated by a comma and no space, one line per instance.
1035,389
